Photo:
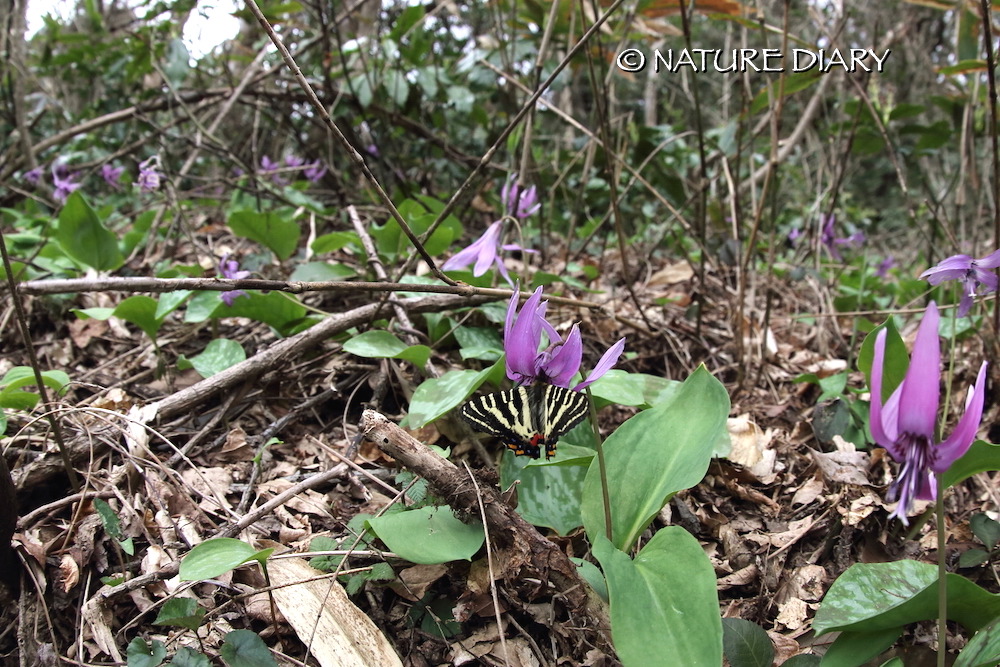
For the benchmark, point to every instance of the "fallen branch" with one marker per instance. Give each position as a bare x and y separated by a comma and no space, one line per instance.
523,550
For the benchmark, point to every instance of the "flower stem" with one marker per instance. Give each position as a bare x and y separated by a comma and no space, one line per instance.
601,466
942,579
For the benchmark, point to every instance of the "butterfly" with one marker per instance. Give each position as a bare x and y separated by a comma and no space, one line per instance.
527,418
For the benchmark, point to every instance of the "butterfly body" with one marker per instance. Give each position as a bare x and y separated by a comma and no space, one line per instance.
527,418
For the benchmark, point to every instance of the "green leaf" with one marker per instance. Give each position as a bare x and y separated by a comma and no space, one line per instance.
746,644
23,376
870,597
983,650
986,529
851,649
177,65
592,575
243,648
973,558
140,310
428,535
273,229
112,526
218,355
436,397
83,236
141,654
281,311
981,457
792,83
181,612
378,344
664,603
333,241
315,272
214,557
169,302
655,454
188,657
548,495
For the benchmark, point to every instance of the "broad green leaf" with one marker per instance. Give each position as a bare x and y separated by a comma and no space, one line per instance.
218,355
981,457
655,454
273,229
188,657
83,236
316,272
436,397
333,241
664,603
803,660
141,654
851,649
22,376
281,311
243,648
593,576
177,62
182,612
635,389
428,535
870,597
169,302
378,344
140,310
983,650
986,529
547,495
746,644
214,557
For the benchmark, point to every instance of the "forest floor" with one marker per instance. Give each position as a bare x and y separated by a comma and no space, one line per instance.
787,512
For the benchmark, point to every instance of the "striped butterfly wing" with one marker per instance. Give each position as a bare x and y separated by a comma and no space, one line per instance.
527,418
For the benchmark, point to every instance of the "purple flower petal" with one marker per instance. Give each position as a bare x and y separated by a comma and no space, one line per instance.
921,387
564,361
952,268
955,446
606,362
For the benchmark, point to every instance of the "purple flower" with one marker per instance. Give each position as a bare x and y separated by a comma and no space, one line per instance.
833,242
64,182
973,274
793,236
484,251
149,178
230,269
272,170
884,266
111,175
294,162
314,171
560,360
33,176
517,201
906,424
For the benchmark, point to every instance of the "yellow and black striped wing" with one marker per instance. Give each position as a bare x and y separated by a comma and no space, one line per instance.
527,418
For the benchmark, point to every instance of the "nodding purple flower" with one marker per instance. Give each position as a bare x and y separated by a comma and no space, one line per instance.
793,236
230,269
272,170
64,182
559,362
517,201
294,161
975,275
149,177
906,424
111,175
483,252
832,242
884,266
315,171
33,176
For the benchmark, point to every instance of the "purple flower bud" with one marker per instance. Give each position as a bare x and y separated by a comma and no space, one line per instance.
149,177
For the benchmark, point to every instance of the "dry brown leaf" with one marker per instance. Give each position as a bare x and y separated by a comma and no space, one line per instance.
809,491
859,509
417,579
69,572
792,613
842,467
341,635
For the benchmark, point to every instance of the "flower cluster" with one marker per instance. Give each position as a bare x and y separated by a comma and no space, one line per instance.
519,203
313,171
906,423
560,360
